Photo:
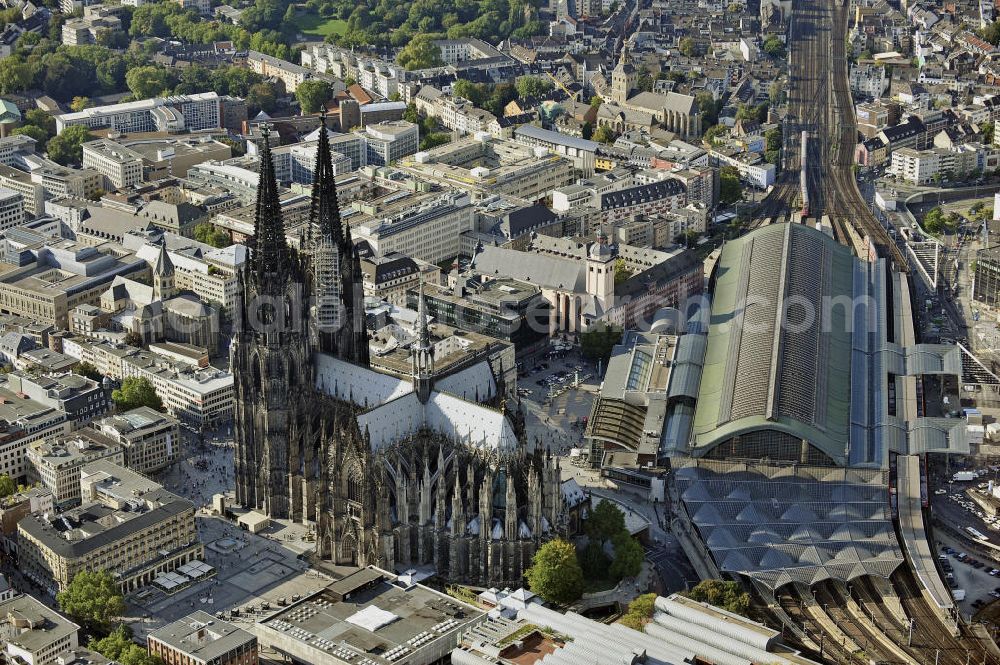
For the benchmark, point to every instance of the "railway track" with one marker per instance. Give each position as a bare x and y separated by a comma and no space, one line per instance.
930,637
831,650
867,638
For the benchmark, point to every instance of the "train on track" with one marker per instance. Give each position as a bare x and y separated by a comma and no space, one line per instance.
803,173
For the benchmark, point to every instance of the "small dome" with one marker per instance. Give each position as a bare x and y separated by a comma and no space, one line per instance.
600,250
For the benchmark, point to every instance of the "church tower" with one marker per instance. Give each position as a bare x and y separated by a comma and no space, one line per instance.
601,271
422,353
624,78
338,311
163,274
276,461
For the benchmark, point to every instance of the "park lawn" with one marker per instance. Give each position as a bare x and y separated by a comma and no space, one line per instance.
313,24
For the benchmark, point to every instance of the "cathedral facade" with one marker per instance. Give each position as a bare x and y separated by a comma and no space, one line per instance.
399,473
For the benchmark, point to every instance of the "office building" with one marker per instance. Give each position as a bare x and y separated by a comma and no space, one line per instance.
503,308
390,141
79,397
11,209
429,232
202,639
986,284
32,193
368,611
34,634
120,166
160,114
57,462
150,439
127,525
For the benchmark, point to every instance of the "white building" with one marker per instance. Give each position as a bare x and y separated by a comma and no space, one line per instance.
33,634
759,173
11,209
390,141
160,114
428,233
120,166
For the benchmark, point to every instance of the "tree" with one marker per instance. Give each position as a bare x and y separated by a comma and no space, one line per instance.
93,599
411,114
730,187
88,370
7,485
687,47
604,134
119,647
596,101
261,96
598,342
605,522
313,95
774,47
468,90
987,130
709,108
533,87
210,234
79,103
136,392
149,81
727,595
629,556
587,131
67,148
640,611
713,133
132,338
434,139
594,562
34,132
991,33
420,53
555,573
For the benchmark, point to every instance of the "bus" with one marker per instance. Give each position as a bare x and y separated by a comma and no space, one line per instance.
976,534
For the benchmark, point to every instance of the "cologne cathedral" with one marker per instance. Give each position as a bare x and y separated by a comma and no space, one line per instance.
398,473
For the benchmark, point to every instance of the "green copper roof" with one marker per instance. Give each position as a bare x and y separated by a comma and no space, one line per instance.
765,369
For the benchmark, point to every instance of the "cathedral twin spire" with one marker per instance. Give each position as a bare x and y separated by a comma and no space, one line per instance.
271,258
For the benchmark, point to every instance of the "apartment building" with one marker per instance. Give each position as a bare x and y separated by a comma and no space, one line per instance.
150,439
199,395
287,72
429,232
160,114
457,114
56,463
203,7
14,508
34,634
922,167
202,639
11,208
651,199
126,524
88,29
120,166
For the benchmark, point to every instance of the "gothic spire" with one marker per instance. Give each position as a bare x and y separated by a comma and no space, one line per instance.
270,251
423,335
325,211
